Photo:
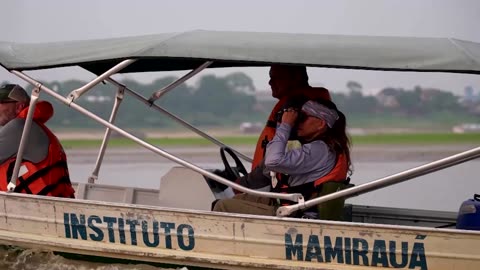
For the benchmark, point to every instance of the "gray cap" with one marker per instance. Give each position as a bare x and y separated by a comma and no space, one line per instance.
13,93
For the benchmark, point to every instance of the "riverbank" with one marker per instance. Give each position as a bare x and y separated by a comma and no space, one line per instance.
210,154
82,146
413,139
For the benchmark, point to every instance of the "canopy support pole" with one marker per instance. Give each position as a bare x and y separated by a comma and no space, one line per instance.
156,95
295,197
25,135
177,119
106,136
82,90
386,181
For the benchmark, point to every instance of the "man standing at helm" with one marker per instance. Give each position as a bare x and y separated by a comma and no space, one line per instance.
289,85
44,168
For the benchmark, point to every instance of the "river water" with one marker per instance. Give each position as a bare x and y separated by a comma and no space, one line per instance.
35,260
444,190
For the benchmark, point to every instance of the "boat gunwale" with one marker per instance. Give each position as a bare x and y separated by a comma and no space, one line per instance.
232,216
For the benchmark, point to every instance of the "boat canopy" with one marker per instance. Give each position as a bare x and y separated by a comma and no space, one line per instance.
188,50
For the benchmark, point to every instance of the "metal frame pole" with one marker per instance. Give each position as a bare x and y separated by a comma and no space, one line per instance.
82,90
386,181
178,119
295,197
106,136
156,95
25,135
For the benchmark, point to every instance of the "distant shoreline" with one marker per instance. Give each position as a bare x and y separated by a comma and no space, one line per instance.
97,134
179,140
210,154
82,146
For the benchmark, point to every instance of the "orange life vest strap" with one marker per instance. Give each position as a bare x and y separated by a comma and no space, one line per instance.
25,183
63,180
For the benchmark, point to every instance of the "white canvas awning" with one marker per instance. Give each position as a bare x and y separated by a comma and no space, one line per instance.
188,50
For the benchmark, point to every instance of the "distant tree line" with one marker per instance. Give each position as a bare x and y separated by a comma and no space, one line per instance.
230,100
214,100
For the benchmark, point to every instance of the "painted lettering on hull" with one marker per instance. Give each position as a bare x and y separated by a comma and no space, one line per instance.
151,233
355,251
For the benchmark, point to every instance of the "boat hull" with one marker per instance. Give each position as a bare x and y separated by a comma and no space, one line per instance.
226,241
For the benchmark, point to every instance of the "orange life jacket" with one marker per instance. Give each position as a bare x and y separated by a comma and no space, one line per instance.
49,177
337,174
269,130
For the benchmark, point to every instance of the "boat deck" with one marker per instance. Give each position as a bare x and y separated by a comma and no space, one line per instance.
353,213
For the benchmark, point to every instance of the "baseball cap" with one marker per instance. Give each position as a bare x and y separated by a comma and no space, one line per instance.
13,93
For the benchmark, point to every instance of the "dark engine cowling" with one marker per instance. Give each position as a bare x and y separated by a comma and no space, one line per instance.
469,214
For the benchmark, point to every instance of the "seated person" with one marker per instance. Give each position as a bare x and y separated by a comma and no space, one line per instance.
44,168
318,167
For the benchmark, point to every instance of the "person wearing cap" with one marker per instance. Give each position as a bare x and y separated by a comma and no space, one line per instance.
44,169
320,166
289,84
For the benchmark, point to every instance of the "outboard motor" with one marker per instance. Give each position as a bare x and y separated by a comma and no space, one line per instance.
469,214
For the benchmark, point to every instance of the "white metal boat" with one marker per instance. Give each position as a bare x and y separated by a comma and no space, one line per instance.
156,226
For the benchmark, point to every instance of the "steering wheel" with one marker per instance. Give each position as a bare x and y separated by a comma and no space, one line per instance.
228,169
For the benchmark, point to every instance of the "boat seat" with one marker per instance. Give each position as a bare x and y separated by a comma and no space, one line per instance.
109,193
184,188
179,188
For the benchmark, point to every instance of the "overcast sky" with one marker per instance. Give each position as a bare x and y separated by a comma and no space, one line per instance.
56,20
